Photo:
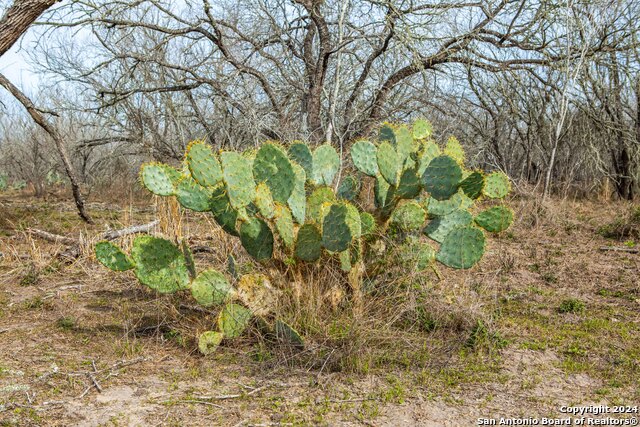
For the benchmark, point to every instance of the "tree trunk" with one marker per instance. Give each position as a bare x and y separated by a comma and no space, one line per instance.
57,139
19,16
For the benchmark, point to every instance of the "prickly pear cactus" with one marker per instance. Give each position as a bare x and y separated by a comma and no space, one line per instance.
303,205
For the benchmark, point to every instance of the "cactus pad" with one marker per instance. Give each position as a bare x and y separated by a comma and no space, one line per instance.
425,256
309,243
203,165
326,163
272,166
496,185
222,211
159,179
429,151
286,334
255,292
404,143
336,233
386,133
454,149
256,238
408,217
438,228
389,163
495,219
367,223
443,207
112,257
211,288
238,178
462,248
233,320
300,153
192,195
364,156
381,191
409,186
159,264
422,129
298,199
317,201
473,184
284,224
264,201
209,341
349,188
442,177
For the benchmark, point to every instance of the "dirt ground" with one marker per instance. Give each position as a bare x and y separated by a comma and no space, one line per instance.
83,346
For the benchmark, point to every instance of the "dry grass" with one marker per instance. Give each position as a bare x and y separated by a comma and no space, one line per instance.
479,342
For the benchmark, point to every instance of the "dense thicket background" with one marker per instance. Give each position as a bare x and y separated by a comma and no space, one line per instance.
548,91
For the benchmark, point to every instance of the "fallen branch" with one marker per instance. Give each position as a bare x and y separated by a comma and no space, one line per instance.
620,249
50,237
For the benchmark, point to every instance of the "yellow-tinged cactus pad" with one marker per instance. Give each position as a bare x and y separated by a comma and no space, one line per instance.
209,341
233,320
496,185
203,164
454,150
264,201
422,129
210,287
256,293
283,221
238,179
408,217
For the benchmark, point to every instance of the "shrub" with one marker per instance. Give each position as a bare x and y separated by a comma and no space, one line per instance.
284,205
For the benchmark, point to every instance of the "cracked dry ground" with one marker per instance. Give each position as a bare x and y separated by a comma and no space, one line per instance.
66,330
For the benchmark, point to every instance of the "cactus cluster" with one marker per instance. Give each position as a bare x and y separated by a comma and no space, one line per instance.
285,202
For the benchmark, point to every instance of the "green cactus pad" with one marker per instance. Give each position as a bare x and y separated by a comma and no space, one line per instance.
422,129
316,203
364,156
345,260
443,207
353,220
233,320
438,228
454,149
473,184
462,248
389,163
404,143
112,257
465,201
326,163
160,179
188,259
300,153
495,219
159,264
408,217
386,133
381,191
284,224
203,165
210,287
256,238
409,186
428,152
442,177
192,195
272,166
368,223
209,341
238,178
224,214
496,185
255,292
264,201
298,199
349,188
336,233
309,243
425,256
287,335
